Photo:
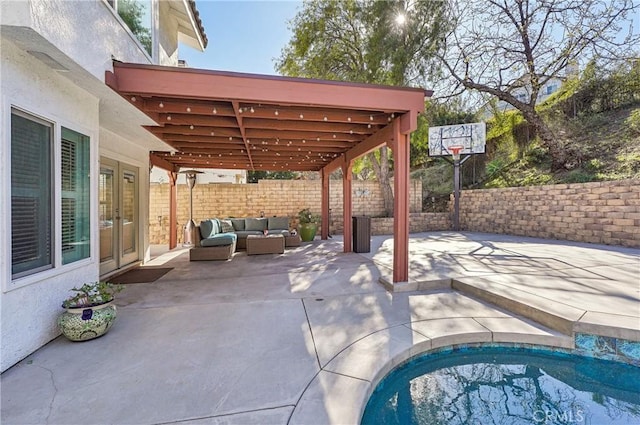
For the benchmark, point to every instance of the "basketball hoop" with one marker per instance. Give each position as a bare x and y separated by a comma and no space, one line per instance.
455,151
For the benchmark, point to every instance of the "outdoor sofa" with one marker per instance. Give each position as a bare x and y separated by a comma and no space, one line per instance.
218,239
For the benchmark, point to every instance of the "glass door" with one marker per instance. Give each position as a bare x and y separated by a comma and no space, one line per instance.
118,209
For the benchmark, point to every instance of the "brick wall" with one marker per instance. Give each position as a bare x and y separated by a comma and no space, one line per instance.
598,212
274,197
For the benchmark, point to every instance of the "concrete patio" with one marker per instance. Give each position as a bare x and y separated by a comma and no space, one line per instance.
303,337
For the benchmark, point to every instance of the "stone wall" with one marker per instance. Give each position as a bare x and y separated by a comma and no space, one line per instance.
598,212
273,197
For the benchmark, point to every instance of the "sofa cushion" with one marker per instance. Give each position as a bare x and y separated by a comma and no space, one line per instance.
242,234
219,240
209,228
226,226
278,223
238,223
255,224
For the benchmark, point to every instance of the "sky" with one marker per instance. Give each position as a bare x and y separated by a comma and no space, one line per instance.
244,35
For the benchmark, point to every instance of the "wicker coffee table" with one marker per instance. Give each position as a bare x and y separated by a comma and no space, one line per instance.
270,244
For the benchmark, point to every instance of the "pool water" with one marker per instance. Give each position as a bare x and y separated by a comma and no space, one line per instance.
510,386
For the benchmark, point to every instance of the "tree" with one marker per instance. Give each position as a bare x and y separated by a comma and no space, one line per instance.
370,41
510,48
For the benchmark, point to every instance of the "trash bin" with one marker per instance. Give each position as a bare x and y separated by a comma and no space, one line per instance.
361,234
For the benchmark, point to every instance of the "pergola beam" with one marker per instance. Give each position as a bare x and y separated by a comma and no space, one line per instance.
153,80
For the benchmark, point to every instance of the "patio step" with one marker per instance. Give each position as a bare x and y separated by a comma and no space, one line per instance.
552,314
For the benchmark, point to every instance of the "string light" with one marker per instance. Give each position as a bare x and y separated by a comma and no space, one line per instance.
191,127
168,117
188,109
161,105
215,111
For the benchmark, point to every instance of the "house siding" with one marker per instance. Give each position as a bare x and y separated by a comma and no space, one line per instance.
29,306
84,37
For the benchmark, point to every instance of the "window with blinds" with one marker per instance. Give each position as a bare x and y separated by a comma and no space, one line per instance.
31,194
74,166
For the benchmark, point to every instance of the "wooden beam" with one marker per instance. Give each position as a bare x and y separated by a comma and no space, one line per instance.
347,205
151,80
371,143
240,119
324,205
307,125
401,204
160,162
173,215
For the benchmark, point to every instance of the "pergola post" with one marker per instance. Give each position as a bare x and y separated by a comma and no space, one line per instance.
325,204
173,216
346,206
400,147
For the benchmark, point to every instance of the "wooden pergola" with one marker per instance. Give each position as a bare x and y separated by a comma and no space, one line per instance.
213,119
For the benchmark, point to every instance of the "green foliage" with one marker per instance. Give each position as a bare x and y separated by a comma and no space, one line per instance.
132,12
92,294
359,40
633,121
306,216
254,176
495,166
579,176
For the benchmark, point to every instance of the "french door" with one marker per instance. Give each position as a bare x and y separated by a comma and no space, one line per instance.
119,218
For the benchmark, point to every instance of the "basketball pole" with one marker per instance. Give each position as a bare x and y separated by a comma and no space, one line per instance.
456,193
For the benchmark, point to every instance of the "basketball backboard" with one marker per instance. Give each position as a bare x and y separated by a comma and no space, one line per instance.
471,136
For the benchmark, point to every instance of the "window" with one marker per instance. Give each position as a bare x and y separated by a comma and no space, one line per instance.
137,15
75,197
551,88
31,194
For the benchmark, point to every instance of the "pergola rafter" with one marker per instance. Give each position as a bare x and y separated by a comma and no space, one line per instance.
212,119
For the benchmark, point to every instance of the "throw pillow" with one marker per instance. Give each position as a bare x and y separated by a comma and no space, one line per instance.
258,224
278,223
208,228
226,226
238,223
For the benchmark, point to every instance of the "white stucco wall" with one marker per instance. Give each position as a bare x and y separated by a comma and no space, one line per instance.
29,306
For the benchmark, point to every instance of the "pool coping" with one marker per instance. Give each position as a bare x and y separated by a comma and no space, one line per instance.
339,392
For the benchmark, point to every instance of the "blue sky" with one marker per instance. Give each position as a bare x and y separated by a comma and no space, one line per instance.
244,36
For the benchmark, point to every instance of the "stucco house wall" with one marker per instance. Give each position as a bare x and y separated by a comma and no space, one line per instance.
54,57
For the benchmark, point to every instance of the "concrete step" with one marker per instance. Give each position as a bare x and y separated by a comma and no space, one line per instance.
554,315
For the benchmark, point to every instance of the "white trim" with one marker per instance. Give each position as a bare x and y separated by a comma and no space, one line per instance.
57,121
154,49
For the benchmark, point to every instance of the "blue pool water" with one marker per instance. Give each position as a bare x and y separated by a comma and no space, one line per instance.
510,386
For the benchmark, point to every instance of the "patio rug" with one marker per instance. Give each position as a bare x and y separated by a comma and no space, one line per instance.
141,275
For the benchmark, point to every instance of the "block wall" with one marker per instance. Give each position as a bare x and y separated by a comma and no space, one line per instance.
273,197
597,212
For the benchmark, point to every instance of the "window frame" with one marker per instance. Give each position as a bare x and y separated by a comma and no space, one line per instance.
9,282
51,189
112,6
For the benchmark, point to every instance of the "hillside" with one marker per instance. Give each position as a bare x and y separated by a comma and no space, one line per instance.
606,147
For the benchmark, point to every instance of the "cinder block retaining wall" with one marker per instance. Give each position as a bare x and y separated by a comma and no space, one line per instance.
274,197
598,212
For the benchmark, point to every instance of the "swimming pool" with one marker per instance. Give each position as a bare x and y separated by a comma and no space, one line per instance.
506,385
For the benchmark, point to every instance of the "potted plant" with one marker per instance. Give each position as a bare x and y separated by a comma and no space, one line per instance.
308,224
90,312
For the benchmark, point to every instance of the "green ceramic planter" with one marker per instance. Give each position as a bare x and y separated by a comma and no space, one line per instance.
83,324
307,231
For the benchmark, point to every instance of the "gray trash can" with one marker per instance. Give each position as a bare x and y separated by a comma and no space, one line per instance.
361,234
